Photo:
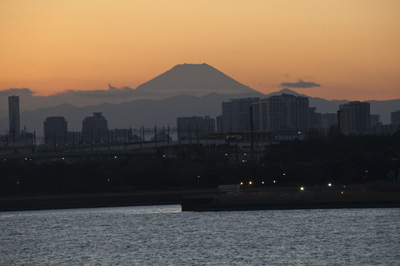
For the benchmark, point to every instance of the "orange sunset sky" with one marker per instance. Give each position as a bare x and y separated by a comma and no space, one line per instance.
350,47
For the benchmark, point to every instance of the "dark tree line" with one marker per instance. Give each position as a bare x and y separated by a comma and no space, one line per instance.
314,161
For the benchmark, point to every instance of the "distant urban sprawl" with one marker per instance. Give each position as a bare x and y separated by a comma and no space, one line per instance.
276,118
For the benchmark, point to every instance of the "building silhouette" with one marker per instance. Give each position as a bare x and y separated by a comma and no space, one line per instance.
375,120
218,120
282,114
276,114
95,128
13,116
355,118
315,119
329,120
55,130
395,117
195,126
236,115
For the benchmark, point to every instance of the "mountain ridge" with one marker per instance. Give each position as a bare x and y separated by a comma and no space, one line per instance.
148,112
156,102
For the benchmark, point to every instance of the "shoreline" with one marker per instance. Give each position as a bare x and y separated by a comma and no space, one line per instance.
200,200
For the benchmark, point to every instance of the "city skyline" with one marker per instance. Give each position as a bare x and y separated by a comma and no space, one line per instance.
338,50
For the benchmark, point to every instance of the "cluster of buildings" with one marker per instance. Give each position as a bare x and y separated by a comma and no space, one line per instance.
289,115
285,114
94,130
279,114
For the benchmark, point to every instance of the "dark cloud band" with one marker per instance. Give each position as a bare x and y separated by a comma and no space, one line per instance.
300,84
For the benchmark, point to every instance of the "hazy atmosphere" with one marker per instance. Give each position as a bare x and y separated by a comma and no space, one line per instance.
334,50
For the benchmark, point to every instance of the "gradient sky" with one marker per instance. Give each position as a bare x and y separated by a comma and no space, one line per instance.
351,48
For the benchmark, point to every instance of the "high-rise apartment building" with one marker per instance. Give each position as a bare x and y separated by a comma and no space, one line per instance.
236,115
282,114
355,118
395,118
55,130
95,128
13,116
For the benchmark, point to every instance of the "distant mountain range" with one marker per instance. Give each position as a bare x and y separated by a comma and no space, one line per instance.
184,90
186,79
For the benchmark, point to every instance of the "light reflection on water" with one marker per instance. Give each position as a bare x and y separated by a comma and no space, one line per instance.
163,235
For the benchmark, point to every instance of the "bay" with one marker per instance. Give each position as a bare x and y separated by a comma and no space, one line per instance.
164,235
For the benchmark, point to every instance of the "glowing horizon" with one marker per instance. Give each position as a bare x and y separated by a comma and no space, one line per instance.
350,48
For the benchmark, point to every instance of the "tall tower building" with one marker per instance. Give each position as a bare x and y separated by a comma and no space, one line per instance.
355,118
13,116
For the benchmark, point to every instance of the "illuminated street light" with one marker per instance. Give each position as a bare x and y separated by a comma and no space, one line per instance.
301,188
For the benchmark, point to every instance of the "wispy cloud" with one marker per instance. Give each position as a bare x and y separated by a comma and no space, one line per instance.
17,91
301,84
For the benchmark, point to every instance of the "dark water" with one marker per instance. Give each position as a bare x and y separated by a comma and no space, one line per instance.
163,235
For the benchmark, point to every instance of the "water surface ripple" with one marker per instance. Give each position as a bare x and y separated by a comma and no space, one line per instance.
163,235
